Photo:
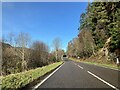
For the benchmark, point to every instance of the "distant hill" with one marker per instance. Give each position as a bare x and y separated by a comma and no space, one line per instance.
5,45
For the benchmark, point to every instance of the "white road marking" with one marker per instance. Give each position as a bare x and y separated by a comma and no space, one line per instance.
47,77
80,66
75,63
102,80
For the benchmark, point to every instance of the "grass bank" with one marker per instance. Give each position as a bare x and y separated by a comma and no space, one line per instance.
19,80
111,66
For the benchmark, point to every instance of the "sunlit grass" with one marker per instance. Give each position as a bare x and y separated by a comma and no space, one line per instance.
14,81
98,64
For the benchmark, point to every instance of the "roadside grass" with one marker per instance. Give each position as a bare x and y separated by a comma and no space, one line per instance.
19,80
98,64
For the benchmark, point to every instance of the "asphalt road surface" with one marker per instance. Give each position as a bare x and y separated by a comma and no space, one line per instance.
80,75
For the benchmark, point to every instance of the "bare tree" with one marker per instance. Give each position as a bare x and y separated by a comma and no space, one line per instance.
22,41
82,46
87,42
56,46
40,54
70,49
60,53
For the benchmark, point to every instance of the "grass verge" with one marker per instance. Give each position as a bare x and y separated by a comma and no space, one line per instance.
19,80
111,66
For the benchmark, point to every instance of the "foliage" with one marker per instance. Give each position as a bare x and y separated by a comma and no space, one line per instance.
11,62
83,46
52,58
19,54
100,22
39,54
114,29
105,23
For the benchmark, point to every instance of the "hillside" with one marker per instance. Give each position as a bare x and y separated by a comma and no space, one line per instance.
12,58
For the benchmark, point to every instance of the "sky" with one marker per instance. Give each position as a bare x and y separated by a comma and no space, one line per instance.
44,21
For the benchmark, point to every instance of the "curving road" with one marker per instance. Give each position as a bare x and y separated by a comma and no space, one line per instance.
80,75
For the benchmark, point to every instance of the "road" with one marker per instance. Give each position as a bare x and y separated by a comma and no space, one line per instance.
80,75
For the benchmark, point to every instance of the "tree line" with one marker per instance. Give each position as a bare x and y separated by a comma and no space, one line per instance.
20,53
99,30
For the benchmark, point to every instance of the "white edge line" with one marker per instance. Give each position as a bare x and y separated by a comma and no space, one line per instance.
80,66
47,77
102,80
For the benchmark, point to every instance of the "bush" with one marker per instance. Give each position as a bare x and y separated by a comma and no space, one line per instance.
53,59
19,80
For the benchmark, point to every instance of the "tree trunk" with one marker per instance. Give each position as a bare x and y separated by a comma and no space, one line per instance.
56,55
23,65
93,50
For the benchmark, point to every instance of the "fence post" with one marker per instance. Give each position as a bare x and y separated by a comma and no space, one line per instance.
117,62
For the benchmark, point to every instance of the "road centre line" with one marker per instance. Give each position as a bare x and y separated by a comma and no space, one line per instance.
102,80
47,77
80,66
75,63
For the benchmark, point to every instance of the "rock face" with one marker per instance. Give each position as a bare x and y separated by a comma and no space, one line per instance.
104,51
104,54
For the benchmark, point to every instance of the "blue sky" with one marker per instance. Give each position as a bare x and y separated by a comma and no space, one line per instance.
43,21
